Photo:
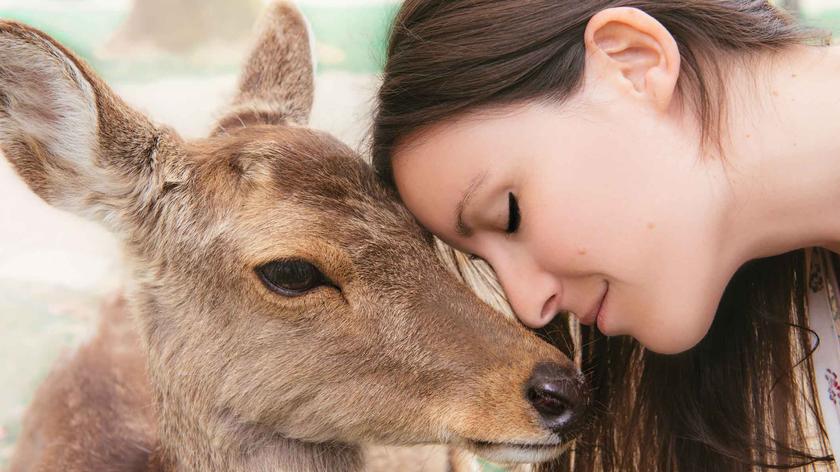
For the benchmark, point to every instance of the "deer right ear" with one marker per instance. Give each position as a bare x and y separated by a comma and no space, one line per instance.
66,134
277,83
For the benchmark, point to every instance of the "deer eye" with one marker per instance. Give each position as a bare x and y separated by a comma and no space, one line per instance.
291,278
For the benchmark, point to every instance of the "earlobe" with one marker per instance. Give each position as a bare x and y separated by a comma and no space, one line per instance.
634,50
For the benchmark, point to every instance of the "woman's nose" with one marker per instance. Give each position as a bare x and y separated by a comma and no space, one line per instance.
534,295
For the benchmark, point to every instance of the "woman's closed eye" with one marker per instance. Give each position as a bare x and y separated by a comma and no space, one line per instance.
514,217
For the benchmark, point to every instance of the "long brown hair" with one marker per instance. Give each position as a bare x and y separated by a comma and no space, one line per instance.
744,398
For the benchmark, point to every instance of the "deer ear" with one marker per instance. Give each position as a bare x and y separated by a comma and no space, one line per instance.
277,82
65,133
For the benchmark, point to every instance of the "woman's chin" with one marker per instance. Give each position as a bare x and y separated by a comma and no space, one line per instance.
670,342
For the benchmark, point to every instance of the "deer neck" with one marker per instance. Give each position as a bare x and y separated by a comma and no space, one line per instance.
191,443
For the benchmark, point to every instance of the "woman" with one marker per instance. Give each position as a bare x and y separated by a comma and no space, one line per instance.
658,168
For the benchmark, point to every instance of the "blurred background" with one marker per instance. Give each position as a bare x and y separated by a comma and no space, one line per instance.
176,60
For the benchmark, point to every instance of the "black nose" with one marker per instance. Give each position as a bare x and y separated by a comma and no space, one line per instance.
557,393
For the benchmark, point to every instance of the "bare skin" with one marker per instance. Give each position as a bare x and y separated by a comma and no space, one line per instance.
608,206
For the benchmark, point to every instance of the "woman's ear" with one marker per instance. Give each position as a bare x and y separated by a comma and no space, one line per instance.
635,52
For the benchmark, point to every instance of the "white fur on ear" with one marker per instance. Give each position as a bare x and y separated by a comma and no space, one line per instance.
47,99
73,142
51,133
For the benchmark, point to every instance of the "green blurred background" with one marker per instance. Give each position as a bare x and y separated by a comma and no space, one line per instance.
351,34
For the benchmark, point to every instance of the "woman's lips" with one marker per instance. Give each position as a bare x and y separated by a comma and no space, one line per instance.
592,317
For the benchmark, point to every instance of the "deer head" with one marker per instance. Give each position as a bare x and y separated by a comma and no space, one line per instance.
285,297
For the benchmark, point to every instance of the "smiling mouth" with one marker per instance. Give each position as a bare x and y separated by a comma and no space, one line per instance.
517,453
592,317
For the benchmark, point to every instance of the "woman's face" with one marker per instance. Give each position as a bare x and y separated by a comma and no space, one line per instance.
599,206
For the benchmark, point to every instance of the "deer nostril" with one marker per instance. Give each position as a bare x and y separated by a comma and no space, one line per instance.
557,395
549,399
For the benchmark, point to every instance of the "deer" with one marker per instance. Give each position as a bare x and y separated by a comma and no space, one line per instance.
282,310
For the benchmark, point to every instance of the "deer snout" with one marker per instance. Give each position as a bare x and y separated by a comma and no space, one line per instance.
557,394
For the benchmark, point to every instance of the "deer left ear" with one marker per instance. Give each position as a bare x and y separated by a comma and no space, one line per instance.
76,144
277,84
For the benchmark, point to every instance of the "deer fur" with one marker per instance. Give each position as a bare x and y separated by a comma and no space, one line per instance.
199,366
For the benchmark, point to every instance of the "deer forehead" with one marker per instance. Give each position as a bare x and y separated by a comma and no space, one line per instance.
268,186
284,157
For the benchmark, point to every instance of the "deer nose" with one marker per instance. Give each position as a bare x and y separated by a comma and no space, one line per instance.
557,393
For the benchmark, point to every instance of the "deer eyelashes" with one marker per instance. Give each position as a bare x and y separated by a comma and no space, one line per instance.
292,277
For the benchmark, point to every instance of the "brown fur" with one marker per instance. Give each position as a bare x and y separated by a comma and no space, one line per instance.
237,377
94,410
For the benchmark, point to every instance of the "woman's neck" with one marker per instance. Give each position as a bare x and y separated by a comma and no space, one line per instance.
782,156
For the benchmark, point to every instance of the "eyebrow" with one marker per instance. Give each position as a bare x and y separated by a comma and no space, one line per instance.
461,226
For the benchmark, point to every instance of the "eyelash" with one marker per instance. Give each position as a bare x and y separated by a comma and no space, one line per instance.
514,216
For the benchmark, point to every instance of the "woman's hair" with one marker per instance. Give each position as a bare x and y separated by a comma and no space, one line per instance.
744,398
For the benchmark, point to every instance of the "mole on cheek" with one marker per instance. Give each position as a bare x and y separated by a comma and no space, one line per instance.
651,226
582,251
